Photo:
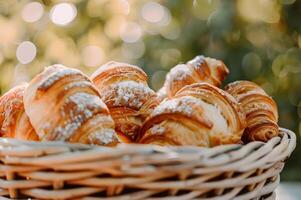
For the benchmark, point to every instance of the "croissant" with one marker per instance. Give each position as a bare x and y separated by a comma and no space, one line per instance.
161,94
62,104
123,88
199,114
261,111
14,123
199,69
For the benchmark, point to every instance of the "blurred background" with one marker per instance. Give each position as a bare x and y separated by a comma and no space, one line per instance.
258,40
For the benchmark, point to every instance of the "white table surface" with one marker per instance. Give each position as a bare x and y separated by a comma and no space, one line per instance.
289,191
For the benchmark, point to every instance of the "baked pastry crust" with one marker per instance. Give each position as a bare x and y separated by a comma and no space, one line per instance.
199,69
260,109
199,114
63,104
176,121
161,94
14,123
123,88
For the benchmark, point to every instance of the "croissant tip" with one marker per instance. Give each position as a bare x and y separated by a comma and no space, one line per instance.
239,82
56,65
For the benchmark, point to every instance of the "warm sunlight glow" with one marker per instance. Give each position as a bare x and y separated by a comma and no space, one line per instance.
93,56
32,12
63,13
26,52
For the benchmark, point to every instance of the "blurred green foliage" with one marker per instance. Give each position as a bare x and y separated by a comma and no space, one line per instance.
258,40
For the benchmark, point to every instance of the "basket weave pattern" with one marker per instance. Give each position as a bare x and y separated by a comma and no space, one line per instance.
56,170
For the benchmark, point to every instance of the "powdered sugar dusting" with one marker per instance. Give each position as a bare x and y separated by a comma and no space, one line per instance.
184,105
12,109
101,119
77,108
80,84
161,93
113,64
197,61
179,73
180,105
157,129
103,136
62,72
85,101
12,105
128,93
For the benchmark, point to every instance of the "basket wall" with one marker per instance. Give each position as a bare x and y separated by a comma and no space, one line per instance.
56,170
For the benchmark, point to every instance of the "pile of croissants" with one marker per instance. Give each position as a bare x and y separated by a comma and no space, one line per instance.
116,105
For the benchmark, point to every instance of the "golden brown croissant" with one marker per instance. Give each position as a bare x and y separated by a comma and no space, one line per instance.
199,69
14,122
123,88
63,104
261,110
161,93
199,114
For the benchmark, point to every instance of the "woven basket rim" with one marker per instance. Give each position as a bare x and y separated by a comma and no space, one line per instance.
215,156
254,166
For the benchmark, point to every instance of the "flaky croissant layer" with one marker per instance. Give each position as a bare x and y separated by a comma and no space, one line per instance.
62,104
124,89
116,105
198,70
261,110
199,114
14,122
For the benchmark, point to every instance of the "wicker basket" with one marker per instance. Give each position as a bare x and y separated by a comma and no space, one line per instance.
55,170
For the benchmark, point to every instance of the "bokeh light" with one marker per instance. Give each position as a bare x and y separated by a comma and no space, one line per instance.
153,12
166,18
251,64
202,9
63,13
9,33
20,75
114,27
93,56
133,50
170,57
120,7
32,12
157,79
172,31
131,32
259,10
26,52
